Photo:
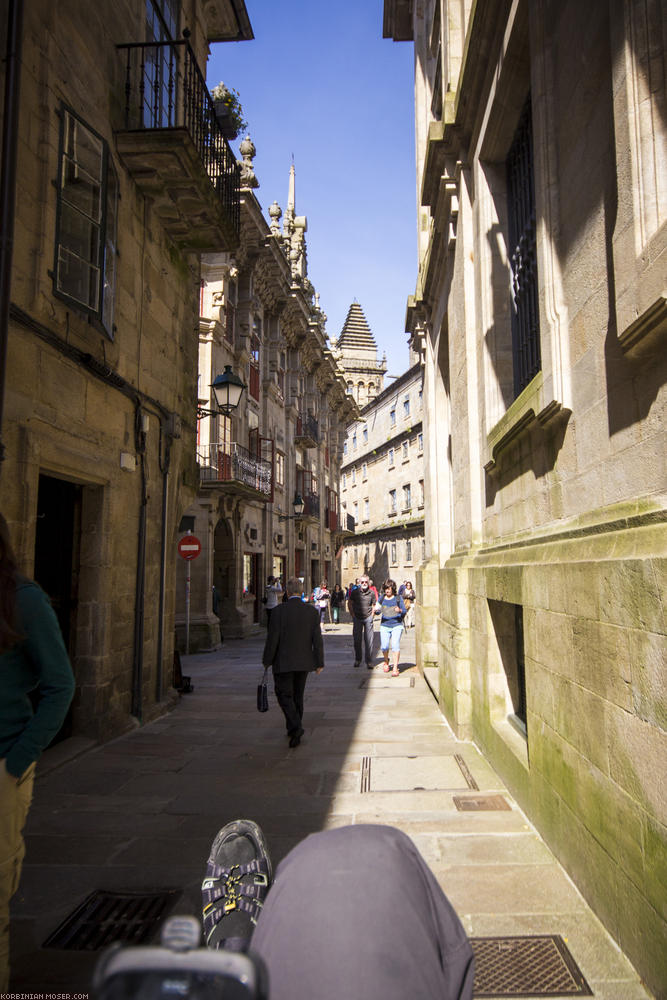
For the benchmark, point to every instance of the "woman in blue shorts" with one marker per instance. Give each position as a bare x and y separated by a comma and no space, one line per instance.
392,611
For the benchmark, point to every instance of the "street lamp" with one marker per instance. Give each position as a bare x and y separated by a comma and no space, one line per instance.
227,389
299,506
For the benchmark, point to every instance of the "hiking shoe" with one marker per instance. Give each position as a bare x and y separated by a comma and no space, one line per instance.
238,877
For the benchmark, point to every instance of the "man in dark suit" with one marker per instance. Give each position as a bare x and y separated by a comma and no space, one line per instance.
293,647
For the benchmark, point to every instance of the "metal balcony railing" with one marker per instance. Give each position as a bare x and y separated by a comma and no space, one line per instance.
307,429
351,523
234,464
312,505
165,89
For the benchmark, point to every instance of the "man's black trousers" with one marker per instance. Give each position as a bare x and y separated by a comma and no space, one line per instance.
289,687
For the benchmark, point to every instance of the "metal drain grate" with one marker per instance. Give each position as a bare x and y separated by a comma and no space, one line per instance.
465,771
105,917
481,803
365,774
539,966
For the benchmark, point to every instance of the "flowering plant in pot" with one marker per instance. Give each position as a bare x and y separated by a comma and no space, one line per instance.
228,110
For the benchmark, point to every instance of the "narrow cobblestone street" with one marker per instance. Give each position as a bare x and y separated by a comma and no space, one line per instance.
140,812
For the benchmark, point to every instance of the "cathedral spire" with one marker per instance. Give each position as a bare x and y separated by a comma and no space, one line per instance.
356,354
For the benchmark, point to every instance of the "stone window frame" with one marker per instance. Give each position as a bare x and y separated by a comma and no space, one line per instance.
639,239
524,66
280,467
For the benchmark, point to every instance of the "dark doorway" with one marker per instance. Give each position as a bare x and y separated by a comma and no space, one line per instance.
57,557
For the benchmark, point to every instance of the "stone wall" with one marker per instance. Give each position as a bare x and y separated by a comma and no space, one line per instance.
546,515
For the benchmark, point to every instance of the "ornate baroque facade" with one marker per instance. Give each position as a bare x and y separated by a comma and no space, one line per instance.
121,184
260,315
541,317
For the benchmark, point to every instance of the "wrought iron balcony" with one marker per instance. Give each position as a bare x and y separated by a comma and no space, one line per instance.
236,469
173,146
307,431
311,505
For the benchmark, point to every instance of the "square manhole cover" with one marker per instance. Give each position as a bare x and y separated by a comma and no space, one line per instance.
106,917
408,774
539,966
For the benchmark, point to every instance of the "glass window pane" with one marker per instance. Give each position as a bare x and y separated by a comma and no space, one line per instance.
78,234
83,147
77,278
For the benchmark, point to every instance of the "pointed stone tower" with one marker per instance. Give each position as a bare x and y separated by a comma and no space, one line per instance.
357,355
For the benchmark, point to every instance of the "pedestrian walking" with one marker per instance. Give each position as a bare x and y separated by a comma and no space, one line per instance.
293,648
392,611
337,602
272,596
33,661
409,599
321,597
360,605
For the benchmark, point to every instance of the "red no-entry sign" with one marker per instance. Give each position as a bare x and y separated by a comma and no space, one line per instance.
189,547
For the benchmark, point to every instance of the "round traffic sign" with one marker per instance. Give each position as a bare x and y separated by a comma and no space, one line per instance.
189,547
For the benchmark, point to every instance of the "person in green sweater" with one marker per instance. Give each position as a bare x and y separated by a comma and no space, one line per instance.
33,658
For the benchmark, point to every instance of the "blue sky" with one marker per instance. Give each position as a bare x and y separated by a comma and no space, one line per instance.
320,83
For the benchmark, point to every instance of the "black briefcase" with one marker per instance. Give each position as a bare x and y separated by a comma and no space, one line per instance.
263,694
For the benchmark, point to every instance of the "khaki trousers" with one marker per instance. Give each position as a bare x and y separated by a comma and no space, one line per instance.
15,798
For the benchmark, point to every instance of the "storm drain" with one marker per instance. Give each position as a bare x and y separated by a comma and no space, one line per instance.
540,966
105,917
481,803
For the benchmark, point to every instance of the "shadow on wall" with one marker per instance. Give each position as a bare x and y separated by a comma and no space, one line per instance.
378,570
536,450
633,380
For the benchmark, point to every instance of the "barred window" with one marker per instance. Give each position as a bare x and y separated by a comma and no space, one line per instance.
521,224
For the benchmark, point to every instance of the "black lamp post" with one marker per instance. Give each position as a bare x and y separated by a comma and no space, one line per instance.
227,389
299,506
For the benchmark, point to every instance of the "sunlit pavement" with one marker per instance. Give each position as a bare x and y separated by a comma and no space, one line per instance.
141,811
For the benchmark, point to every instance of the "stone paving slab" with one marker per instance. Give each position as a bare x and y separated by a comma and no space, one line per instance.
142,810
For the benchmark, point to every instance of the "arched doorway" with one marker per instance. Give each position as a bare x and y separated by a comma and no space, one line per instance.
225,580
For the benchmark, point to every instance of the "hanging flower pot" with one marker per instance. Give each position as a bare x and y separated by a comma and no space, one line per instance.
224,118
228,111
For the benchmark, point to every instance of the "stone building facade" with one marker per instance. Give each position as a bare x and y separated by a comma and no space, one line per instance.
121,184
382,484
259,315
541,316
